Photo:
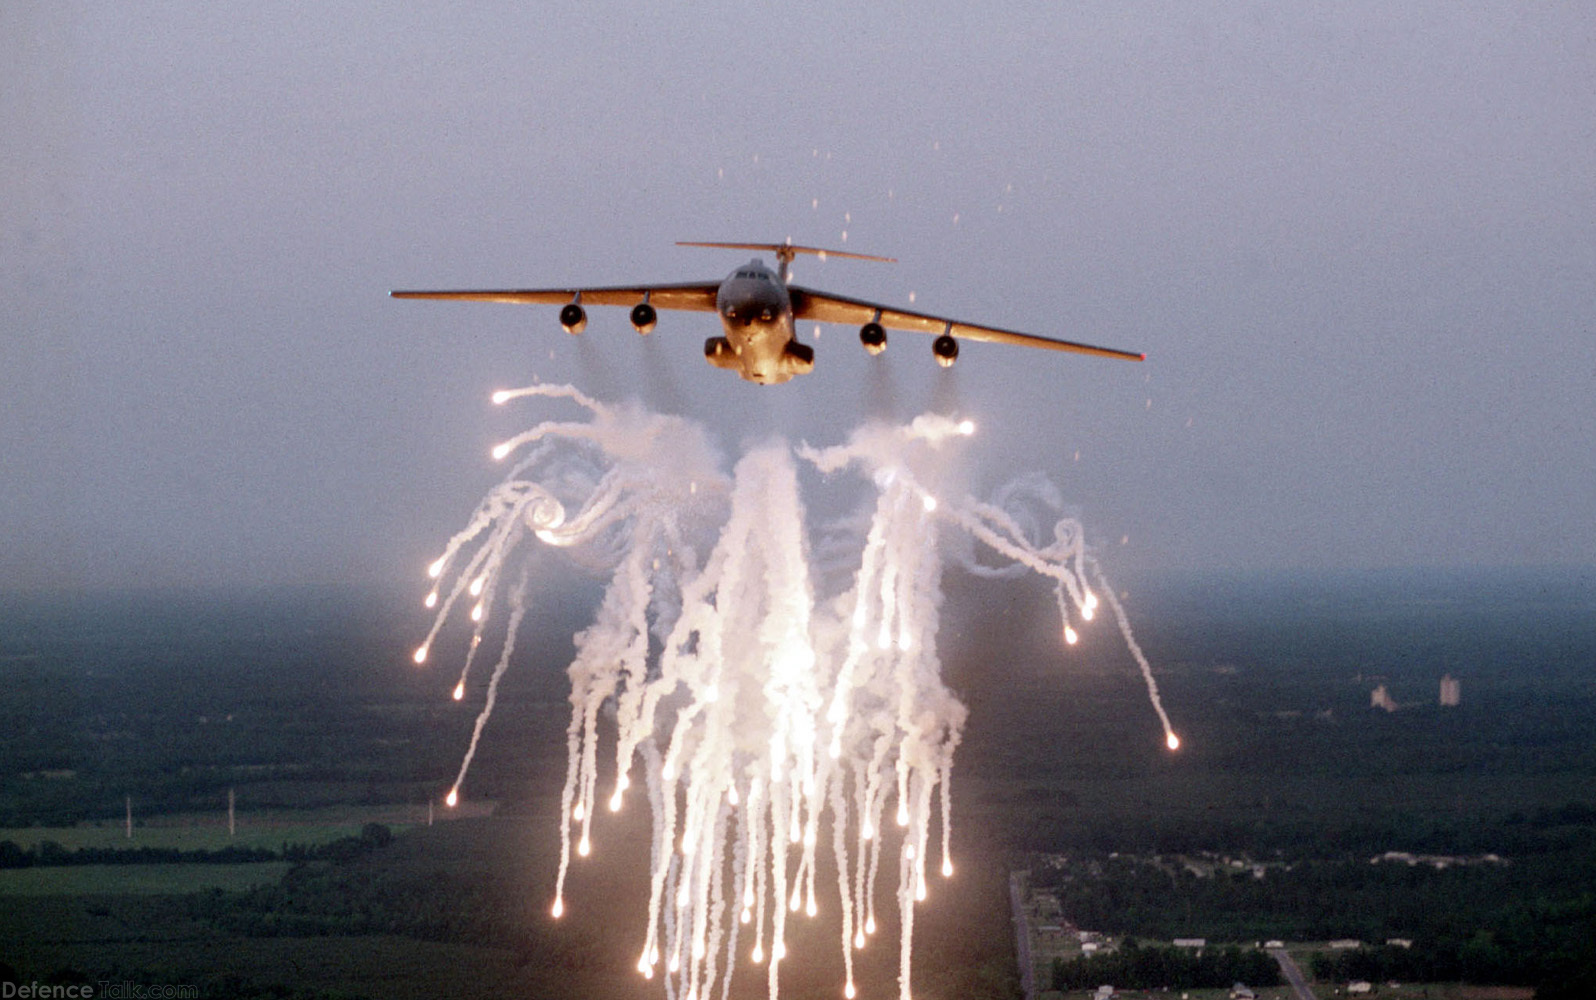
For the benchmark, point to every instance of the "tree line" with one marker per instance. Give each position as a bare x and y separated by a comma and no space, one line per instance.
1148,968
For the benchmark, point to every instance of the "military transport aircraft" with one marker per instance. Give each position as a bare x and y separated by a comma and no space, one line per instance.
758,310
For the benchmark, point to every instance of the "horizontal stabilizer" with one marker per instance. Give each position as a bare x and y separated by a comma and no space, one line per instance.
785,251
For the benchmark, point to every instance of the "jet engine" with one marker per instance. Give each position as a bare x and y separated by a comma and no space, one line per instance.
644,317
946,349
874,337
574,318
719,352
800,357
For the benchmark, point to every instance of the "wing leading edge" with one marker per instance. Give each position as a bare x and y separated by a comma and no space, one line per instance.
694,297
823,307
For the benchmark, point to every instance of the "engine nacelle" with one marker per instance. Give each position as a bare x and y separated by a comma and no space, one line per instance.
874,337
946,349
799,359
644,317
719,352
574,318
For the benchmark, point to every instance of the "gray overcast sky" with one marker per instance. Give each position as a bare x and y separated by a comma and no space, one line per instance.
1357,241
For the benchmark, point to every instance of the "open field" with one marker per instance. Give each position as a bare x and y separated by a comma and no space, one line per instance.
138,880
269,829
182,838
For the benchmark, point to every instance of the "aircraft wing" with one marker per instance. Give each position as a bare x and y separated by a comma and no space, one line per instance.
695,297
823,307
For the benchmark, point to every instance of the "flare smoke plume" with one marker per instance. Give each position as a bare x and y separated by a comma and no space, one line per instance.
762,710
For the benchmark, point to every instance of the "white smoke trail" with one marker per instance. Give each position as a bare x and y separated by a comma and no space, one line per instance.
517,612
758,705
1170,739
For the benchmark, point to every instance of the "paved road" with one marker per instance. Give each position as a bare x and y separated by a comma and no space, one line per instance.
1022,936
1293,974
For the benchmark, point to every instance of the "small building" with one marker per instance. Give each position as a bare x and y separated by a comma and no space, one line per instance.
1343,944
1381,698
1274,944
1241,991
1191,942
1451,691
1359,986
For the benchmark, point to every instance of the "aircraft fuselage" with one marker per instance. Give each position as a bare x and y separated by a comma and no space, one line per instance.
760,343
